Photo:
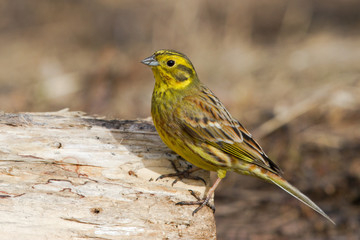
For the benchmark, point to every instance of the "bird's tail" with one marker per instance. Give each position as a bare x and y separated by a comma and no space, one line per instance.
286,186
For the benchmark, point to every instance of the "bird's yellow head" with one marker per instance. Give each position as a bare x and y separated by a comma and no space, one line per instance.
172,70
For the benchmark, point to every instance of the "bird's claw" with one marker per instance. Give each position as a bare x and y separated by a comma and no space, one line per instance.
201,202
181,174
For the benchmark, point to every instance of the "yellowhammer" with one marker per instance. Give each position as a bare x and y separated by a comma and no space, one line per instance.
193,122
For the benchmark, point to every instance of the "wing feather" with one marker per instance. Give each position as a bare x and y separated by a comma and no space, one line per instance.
207,120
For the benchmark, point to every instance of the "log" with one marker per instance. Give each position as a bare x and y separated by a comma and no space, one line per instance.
65,175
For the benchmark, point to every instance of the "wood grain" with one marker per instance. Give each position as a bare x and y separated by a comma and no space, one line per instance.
65,175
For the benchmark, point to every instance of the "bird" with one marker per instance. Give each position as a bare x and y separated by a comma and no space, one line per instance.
194,123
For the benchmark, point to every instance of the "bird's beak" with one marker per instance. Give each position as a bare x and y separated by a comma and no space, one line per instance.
151,61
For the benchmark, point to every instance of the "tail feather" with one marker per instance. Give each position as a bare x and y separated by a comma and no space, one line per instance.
286,186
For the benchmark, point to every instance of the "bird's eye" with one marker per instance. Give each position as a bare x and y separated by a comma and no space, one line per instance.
170,63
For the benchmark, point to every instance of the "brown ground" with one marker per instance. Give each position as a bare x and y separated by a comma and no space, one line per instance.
289,70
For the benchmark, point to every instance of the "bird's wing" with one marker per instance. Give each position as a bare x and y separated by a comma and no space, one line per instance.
206,119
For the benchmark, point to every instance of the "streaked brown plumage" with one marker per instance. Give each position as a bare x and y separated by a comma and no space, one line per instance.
193,122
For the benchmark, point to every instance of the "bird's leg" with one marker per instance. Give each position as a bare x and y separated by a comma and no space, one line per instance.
182,174
204,201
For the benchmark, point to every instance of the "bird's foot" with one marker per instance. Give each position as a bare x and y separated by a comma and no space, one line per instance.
182,174
201,202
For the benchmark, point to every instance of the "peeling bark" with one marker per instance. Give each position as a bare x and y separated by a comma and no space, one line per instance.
64,175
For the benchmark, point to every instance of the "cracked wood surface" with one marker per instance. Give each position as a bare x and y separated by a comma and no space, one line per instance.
64,175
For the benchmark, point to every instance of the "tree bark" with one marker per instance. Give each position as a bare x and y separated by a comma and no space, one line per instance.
64,175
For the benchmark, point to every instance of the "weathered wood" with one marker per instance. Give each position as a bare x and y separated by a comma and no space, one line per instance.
64,175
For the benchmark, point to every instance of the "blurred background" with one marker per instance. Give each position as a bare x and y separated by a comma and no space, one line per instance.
288,70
